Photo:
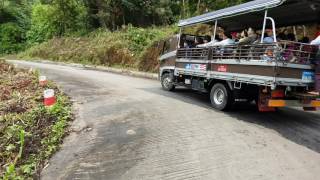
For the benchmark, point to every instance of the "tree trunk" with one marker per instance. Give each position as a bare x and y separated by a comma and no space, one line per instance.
198,6
183,9
123,19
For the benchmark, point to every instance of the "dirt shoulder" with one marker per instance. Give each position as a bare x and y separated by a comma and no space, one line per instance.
29,132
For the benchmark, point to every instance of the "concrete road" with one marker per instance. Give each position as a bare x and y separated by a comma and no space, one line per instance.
128,128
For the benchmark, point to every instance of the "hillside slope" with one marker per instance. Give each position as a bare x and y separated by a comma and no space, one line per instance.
133,48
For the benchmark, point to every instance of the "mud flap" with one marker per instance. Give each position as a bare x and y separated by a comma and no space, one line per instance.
263,101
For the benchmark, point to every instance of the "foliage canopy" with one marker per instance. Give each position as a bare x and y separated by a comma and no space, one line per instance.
26,22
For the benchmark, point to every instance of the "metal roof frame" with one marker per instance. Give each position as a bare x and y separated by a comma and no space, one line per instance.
253,6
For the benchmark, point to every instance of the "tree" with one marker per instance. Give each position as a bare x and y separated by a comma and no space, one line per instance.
14,23
112,14
36,21
68,16
108,14
11,38
42,26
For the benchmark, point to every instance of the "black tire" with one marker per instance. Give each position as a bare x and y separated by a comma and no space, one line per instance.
221,97
167,82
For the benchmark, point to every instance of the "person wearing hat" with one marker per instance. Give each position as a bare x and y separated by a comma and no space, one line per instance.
269,36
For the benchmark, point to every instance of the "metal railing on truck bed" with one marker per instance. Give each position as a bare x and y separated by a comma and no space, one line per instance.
285,51
194,53
299,53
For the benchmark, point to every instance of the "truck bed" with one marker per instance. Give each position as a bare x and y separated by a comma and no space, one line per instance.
254,64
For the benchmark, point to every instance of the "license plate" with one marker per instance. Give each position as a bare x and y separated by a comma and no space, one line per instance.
308,76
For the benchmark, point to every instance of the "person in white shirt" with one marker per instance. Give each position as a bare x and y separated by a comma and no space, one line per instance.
316,41
208,42
211,43
226,40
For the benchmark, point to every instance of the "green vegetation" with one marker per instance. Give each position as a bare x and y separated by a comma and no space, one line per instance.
100,32
124,48
29,132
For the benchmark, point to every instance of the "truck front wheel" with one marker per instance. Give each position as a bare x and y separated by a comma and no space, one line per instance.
220,96
167,82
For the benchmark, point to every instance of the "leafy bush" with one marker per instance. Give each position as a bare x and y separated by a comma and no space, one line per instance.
48,21
124,48
140,38
11,38
42,27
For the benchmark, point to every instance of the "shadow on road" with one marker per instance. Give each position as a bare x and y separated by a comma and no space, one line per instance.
296,125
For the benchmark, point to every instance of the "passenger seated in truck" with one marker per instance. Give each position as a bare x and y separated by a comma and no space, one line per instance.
283,35
258,39
269,36
244,38
182,41
235,36
187,44
226,39
206,39
291,37
252,35
316,41
288,53
198,41
318,31
305,40
210,42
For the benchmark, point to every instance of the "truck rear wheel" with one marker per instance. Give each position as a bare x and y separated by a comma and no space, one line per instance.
167,82
220,96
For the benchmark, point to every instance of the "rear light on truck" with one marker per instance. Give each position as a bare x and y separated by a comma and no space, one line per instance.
315,103
278,93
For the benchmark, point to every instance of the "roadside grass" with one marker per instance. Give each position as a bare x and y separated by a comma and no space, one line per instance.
29,132
131,47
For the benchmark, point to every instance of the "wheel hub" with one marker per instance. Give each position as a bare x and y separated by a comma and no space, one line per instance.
167,82
218,96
